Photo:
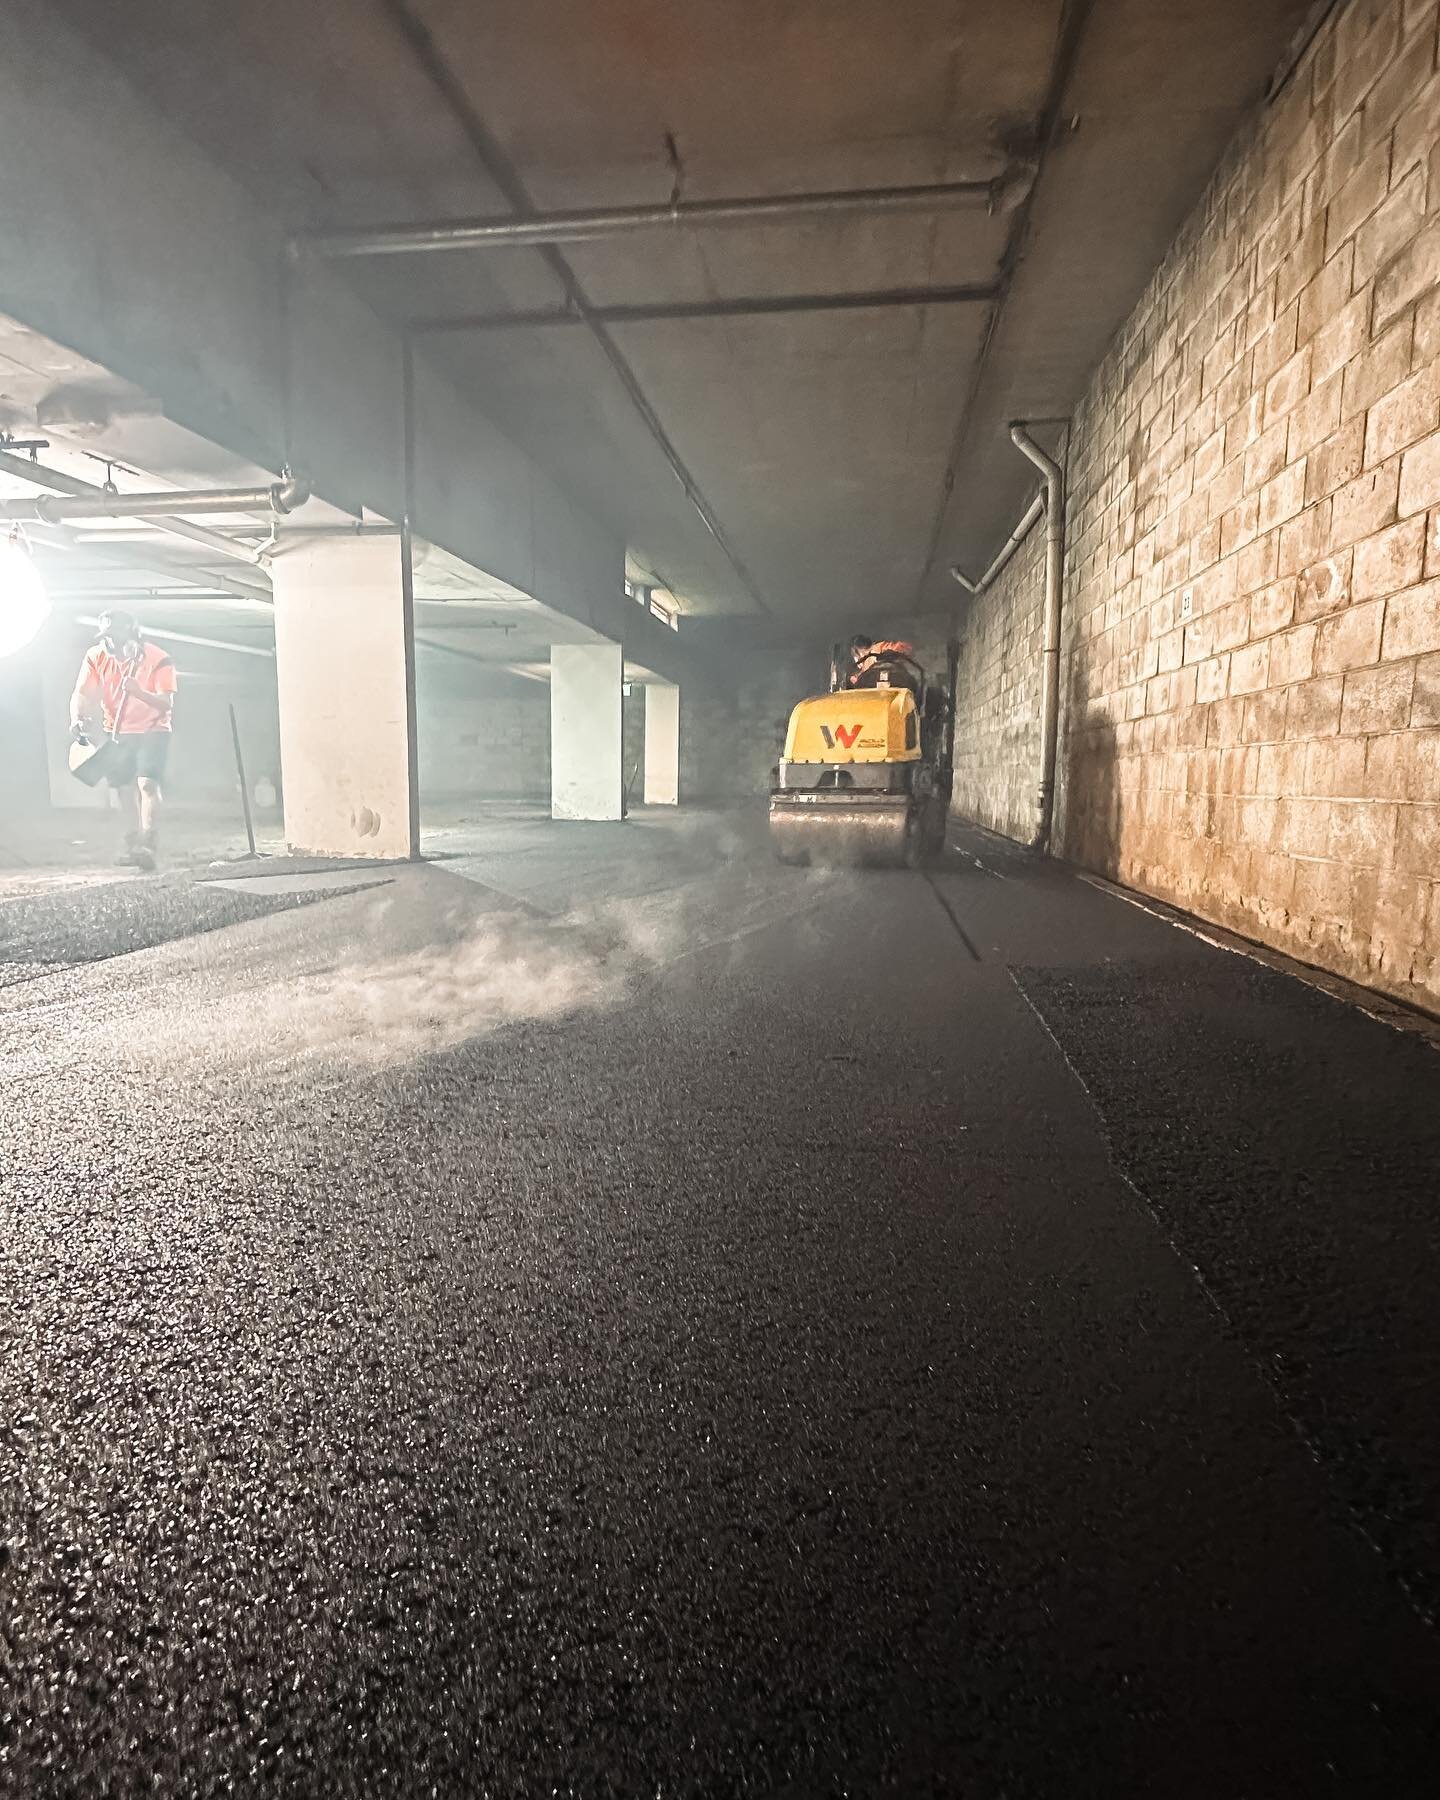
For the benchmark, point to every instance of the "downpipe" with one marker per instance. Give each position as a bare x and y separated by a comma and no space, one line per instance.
1054,478
1007,550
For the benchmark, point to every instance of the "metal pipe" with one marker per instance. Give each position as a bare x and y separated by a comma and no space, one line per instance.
281,497
1074,20
135,598
742,307
42,476
153,531
505,625
1050,647
148,561
351,528
209,540
407,591
1011,545
184,637
432,62
475,656
590,223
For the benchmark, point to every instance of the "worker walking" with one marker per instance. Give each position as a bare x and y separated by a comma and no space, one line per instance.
132,683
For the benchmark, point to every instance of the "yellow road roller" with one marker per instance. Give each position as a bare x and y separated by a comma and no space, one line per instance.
865,775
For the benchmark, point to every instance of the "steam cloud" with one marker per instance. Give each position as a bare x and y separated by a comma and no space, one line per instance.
386,975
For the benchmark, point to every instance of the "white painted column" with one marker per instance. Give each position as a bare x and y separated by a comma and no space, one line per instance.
586,731
662,744
344,666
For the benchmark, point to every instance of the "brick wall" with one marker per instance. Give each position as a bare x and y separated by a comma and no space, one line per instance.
732,727
997,697
484,747
706,712
1251,712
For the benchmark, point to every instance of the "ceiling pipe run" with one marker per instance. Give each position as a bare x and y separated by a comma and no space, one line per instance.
741,307
593,223
432,62
1050,128
281,498
184,637
146,561
41,476
137,599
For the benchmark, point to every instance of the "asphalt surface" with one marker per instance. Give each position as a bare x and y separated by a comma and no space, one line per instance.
710,1329
43,932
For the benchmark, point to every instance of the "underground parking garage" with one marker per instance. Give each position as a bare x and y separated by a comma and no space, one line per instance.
514,1279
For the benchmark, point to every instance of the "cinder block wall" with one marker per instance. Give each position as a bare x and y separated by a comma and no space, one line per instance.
1252,639
732,729
705,717
997,697
494,747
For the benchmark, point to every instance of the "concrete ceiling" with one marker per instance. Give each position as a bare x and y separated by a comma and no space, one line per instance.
849,457
60,412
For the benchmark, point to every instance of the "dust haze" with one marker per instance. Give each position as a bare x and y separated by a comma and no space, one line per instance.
420,964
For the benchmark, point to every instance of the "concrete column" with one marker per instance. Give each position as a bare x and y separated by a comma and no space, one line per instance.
662,744
586,731
345,675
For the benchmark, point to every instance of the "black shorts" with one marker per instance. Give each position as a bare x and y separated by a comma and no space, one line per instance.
135,755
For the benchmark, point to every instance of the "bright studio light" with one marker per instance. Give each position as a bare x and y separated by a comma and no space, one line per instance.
24,604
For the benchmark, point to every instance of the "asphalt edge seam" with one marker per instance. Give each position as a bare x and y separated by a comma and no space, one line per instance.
1257,1363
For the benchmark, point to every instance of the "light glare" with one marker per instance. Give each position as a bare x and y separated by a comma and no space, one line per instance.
24,604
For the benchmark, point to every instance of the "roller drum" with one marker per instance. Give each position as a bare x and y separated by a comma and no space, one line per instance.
841,834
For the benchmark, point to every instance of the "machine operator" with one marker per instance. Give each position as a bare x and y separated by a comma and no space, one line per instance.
889,663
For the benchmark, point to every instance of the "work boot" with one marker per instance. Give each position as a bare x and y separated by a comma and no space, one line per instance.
129,856
147,850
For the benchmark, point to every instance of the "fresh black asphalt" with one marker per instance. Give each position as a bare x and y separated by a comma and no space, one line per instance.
661,1324
91,924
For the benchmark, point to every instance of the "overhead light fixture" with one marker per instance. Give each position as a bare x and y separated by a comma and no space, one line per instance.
24,603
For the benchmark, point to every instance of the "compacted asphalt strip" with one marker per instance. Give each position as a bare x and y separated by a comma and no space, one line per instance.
737,1331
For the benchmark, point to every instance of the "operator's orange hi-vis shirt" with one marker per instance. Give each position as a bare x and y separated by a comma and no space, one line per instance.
105,674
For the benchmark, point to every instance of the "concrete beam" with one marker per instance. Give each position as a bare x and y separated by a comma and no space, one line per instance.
124,243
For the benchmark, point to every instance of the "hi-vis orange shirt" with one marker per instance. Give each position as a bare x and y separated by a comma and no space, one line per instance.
105,674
